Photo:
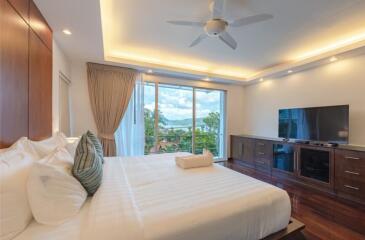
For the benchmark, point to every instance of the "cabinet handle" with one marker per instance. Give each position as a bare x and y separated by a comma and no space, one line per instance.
353,158
261,162
354,173
296,160
261,144
261,153
351,187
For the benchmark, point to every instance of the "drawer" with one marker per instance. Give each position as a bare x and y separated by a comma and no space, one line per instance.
263,149
350,173
263,166
349,164
352,187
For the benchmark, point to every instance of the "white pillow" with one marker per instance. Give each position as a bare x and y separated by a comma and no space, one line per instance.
47,146
15,214
72,145
54,194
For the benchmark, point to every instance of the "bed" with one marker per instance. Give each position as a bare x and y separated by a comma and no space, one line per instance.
150,198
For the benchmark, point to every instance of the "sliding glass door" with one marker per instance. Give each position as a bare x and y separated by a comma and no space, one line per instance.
209,118
185,119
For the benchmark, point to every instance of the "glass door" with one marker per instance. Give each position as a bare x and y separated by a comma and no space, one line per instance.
175,117
284,157
184,119
209,121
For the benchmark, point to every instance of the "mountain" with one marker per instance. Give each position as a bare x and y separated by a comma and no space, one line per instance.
183,122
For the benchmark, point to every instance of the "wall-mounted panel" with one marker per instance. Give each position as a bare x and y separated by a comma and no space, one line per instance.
39,25
13,75
40,89
22,7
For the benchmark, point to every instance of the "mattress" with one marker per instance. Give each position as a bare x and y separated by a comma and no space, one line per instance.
150,198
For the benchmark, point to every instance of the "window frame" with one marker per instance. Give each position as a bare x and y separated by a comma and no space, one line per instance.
223,156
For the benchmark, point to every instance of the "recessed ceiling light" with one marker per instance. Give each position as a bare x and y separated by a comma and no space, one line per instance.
66,31
206,79
149,71
333,59
261,80
290,71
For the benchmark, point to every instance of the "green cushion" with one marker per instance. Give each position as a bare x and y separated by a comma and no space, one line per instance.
88,167
97,144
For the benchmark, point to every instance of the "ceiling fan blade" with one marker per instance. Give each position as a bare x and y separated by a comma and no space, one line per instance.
228,39
250,20
187,23
198,40
218,9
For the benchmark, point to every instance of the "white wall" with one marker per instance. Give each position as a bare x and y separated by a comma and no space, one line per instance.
82,118
342,82
60,64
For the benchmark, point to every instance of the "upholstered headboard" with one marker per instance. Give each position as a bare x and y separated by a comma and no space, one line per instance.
26,73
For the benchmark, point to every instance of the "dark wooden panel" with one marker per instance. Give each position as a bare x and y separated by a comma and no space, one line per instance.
236,147
13,76
242,149
40,89
39,25
22,7
247,155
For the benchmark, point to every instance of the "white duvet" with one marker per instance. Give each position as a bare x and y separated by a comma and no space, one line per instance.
150,198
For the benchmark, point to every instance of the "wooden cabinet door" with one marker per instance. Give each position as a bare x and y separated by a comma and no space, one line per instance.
13,75
40,89
236,148
248,146
242,149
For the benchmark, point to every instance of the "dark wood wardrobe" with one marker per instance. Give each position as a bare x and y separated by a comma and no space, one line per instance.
25,72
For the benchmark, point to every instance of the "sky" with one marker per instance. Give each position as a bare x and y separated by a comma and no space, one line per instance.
175,102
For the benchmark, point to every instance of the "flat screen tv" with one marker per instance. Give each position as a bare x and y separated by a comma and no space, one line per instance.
320,124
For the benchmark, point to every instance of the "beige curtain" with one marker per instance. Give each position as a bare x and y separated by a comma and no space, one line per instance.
110,89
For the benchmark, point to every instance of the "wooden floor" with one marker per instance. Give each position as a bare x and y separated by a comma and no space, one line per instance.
325,217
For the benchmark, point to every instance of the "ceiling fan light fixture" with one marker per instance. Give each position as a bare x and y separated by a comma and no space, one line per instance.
217,26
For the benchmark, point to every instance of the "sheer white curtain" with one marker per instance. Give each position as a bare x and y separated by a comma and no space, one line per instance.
129,136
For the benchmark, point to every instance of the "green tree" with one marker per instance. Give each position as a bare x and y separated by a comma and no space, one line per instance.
212,121
173,140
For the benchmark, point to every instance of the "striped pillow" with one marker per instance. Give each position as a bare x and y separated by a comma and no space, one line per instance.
87,168
97,144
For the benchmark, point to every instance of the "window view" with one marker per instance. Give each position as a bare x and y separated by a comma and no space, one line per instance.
209,127
185,123
149,117
175,118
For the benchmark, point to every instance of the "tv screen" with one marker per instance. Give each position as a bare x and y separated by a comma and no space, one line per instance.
322,124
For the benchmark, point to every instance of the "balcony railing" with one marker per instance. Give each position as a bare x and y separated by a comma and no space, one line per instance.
183,143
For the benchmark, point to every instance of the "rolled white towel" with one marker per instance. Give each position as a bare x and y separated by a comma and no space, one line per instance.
195,161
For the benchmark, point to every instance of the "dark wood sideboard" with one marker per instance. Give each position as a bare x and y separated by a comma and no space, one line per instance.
339,171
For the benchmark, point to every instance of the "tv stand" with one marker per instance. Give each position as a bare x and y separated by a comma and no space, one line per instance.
337,170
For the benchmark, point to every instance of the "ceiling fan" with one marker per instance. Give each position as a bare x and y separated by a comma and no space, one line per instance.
217,25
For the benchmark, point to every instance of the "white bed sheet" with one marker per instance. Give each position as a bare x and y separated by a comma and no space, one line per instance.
150,198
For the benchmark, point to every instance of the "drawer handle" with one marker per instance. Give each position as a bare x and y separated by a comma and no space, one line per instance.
261,162
351,187
261,153
353,158
261,144
354,173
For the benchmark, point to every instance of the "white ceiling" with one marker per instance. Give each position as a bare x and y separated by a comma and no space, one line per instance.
139,27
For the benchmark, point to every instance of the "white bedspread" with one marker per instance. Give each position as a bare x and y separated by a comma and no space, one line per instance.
150,198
